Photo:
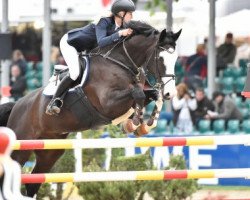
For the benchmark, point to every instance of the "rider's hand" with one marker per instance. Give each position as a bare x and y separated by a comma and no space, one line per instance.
125,32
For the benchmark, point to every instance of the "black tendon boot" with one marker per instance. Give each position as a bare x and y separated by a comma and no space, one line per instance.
54,107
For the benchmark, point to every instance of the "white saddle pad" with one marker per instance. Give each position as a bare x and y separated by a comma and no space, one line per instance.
51,88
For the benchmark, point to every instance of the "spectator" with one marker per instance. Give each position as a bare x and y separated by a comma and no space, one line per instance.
225,108
18,59
17,83
183,108
203,105
179,69
226,52
196,68
243,51
165,114
55,56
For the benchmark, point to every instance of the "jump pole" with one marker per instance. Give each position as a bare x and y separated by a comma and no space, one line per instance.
135,175
130,142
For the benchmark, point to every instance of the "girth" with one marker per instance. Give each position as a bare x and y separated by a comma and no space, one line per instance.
81,107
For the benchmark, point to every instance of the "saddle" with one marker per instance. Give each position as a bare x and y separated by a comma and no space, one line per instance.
61,71
75,98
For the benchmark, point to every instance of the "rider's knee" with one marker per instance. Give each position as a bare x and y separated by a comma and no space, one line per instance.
74,75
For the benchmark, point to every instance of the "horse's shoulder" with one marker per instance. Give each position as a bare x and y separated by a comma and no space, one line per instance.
30,97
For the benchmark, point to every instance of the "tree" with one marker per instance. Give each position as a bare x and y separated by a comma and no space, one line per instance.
163,5
153,5
160,190
119,190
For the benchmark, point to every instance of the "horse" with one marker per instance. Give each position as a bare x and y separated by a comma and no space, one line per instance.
115,85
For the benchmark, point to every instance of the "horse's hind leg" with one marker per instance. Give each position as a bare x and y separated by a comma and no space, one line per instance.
45,159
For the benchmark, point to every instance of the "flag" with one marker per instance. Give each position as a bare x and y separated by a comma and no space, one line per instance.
5,91
106,2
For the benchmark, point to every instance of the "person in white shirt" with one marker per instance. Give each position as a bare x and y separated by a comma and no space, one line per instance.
243,52
183,107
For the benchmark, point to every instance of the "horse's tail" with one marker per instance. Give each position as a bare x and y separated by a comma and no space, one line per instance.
5,110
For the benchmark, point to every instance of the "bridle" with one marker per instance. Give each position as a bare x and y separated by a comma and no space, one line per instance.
136,70
159,84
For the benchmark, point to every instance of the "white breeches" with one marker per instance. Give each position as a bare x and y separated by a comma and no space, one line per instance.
70,56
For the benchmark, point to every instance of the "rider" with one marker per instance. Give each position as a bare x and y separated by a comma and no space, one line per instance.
107,31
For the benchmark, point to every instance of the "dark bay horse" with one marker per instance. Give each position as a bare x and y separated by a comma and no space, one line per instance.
115,84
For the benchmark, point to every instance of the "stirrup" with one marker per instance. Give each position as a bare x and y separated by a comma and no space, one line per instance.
54,107
58,102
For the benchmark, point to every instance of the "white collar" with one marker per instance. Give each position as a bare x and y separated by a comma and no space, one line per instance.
116,26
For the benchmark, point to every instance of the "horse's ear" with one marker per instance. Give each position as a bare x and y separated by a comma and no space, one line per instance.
176,35
162,36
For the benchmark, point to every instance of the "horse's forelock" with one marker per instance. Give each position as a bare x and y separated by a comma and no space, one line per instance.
169,34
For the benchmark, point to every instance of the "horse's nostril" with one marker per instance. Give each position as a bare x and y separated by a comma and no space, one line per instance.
167,96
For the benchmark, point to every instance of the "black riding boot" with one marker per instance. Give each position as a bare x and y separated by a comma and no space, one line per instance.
54,107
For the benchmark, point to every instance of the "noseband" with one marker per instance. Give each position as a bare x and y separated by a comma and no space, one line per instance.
159,84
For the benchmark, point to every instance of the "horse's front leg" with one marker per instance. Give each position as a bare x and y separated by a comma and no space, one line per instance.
145,128
131,125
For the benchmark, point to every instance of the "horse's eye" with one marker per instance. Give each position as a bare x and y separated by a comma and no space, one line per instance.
169,49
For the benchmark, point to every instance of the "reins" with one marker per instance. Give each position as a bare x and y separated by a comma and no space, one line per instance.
159,83
135,70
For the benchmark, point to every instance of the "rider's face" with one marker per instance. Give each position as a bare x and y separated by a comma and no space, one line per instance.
127,17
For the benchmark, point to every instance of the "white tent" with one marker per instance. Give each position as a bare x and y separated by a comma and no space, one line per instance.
238,23
65,10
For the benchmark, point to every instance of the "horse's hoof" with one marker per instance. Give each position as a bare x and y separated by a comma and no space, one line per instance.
143,129
150,122
128,126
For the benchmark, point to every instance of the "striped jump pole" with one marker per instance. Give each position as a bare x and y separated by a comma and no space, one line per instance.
135,175
130,142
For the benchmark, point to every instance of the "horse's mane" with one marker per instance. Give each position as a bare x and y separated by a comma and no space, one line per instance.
141,28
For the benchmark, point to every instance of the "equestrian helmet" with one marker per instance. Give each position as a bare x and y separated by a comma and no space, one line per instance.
123,5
